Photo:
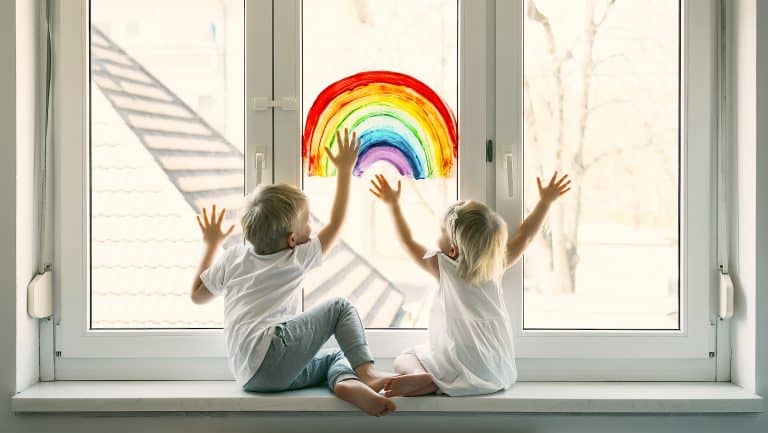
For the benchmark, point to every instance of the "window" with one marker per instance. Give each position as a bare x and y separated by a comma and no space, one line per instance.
161,123
167,134
570,77
608,257
415,38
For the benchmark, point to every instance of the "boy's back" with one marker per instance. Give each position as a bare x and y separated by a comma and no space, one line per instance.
273,345
259,290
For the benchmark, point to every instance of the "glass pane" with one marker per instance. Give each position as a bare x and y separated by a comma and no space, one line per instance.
342,38
601,103
166,139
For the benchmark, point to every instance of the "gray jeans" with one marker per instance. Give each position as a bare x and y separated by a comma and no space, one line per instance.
293,361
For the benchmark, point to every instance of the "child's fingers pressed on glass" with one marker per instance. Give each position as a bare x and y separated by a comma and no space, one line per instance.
552,181
330,154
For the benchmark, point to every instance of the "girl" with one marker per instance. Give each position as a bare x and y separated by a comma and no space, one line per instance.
470,338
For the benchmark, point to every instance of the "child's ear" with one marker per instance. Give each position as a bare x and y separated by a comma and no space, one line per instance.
454,251
291,240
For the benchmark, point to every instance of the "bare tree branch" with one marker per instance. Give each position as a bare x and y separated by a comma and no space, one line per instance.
615,101
531,117
535,14
596,63
608,7
588,67
558,112
563,239
650,142
616,152
361,8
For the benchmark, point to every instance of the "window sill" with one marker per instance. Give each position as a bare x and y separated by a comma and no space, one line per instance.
224,396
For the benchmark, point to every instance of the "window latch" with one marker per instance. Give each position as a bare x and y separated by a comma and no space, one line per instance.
263,103
259,163
488,150
725,295
40,295
509,164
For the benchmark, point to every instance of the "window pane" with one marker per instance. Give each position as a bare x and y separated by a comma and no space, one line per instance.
601,103
417,38
166,139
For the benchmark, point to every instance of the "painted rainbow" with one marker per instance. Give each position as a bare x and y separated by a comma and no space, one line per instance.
398,118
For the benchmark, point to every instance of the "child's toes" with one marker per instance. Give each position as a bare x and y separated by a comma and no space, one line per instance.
387,384
389,407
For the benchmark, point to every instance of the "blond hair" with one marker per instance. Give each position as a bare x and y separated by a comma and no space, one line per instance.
271,215
480,235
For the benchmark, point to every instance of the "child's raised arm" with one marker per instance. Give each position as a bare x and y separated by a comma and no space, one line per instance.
381,189
213,237
344,160
519,241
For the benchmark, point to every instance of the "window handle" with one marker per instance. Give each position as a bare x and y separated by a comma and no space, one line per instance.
509,164
259,163
725,295
263,103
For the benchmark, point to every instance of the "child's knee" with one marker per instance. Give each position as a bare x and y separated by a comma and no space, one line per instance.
399,364
341,304
333,355
407,363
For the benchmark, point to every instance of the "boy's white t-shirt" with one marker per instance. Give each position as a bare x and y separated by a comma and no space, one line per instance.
259,291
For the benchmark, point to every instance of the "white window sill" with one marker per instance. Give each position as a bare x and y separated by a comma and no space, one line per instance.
212,396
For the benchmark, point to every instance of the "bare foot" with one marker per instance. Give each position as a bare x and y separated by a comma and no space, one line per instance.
366,399
373,378
409,385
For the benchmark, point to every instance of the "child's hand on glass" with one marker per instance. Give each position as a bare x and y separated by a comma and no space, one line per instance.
212,233
555,189
381,189
346,156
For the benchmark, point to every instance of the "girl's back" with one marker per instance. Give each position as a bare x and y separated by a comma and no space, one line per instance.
470,350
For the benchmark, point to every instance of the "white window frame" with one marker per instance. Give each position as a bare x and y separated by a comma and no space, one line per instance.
542,355
126,354
686,354
82,353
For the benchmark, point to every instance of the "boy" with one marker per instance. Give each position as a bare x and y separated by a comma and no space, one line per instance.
271,345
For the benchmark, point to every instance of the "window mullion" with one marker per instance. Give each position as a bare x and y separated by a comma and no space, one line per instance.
287,116
509,137
258,89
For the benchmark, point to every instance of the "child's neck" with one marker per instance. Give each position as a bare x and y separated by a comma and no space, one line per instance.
282,247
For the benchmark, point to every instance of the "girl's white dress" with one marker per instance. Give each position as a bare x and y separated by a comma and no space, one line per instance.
470,349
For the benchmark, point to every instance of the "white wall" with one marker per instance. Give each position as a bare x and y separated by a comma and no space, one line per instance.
762,198
12,269
8,198
743,194
26,222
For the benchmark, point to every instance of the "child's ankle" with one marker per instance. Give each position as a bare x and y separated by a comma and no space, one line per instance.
366,369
